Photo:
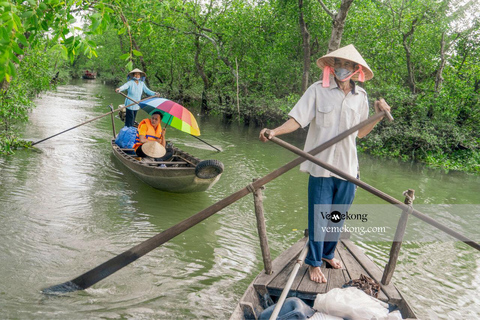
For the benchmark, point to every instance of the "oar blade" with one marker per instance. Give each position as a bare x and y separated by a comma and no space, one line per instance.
62,288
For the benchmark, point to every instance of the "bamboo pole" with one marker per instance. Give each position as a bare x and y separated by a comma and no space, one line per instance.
83,123
398,238
262,229
111,266
288,285
113,123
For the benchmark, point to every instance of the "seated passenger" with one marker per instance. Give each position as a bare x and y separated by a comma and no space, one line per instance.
149,130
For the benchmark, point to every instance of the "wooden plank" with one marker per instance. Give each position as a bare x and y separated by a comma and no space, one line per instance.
275,287
157,163
353,269
373,271
336,279
260,283
249,306
351,265
309,289
302,272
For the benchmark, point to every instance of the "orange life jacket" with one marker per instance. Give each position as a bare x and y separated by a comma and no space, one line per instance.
151,133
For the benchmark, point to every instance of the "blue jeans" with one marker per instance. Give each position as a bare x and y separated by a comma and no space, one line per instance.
326,195
130,117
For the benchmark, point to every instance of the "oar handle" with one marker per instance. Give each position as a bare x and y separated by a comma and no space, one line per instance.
136,102
387,113
383,113
389,116
123,94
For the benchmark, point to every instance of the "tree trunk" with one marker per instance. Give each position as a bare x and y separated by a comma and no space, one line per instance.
199,66
338,21
439,79
202,74
306,47
142,62
406,46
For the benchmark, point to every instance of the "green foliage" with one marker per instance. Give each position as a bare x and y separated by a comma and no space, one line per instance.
34,76
191,50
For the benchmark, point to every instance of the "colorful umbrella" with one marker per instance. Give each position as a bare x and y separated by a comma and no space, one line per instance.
173,114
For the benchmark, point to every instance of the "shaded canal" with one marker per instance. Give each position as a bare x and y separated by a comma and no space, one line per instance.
69,206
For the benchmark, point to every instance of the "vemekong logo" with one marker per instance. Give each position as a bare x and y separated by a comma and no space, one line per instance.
336,216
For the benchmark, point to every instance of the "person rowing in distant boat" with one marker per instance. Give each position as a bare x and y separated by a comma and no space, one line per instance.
330,107
150,130
135,86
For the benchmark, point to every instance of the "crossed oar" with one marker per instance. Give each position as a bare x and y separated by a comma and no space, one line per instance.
111,266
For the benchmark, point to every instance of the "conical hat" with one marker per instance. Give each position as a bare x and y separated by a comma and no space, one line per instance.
153,149
348,53
137,70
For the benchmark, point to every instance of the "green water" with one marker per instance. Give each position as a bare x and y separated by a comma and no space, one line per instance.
69,206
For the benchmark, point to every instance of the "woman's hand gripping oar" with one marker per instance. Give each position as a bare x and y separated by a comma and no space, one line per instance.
83,123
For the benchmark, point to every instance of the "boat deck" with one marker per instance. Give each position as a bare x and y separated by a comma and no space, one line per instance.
354,262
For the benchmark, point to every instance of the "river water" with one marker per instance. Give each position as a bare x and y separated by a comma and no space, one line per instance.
69,205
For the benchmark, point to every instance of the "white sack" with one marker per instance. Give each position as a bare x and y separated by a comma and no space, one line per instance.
353,304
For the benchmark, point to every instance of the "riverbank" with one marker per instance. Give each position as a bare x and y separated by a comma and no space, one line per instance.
437,146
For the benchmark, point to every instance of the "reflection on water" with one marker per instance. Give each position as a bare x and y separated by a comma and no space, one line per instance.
68,206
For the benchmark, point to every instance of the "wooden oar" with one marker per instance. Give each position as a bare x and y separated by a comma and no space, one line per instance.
123,94
374,191
288,285
81,124
113,265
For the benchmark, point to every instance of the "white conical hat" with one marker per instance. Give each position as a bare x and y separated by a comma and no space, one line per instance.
137,70
348,53
153,149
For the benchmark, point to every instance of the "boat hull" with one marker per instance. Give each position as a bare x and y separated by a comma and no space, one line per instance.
265,289
173,177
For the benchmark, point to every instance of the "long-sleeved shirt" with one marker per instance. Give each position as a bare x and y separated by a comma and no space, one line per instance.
135,91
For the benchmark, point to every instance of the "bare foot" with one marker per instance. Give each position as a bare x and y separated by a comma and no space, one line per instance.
316,275
335,263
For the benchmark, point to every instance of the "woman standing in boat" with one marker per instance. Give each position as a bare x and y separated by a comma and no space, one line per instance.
135,86
331,106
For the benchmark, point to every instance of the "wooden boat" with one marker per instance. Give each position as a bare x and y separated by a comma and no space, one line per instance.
89,75
266,289
181,173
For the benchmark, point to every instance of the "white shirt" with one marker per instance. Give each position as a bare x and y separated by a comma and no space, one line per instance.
330,112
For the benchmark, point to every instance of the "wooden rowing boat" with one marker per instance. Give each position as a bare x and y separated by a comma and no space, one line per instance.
181,173
89,75
266,289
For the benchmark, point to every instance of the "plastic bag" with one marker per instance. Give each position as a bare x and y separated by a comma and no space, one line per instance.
126,137
352,303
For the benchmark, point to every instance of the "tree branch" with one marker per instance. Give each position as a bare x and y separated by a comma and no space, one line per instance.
331,14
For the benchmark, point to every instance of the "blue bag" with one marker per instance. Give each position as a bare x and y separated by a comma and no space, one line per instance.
126,137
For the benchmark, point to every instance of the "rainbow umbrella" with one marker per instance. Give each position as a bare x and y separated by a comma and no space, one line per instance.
173,114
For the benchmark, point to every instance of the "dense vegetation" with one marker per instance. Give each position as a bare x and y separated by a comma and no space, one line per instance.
252,60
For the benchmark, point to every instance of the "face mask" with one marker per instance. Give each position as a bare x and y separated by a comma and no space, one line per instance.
342,73
136,79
